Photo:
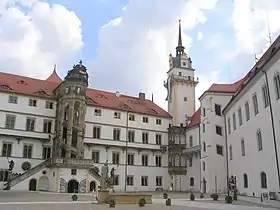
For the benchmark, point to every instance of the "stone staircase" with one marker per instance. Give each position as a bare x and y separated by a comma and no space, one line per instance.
27,174
95,174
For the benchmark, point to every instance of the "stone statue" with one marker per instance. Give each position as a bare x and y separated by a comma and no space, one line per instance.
11,165
106,180
104,176
112,173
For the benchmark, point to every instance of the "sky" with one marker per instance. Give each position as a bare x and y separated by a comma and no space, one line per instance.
125,44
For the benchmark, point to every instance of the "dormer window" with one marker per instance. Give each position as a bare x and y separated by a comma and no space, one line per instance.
145,120
97,112
32,102
117,115
49,105
22,82
180,73
5,87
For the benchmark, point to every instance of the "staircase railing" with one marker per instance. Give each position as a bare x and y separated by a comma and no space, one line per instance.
95,174
28,173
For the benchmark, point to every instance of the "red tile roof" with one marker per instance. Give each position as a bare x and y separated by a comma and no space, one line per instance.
237,86
45,88
195,119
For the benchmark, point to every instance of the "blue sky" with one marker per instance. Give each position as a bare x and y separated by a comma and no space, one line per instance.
125,43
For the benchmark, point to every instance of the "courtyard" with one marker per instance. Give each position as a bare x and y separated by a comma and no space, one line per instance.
180,201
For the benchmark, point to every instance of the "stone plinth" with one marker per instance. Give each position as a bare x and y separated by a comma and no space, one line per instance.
103,196
130,198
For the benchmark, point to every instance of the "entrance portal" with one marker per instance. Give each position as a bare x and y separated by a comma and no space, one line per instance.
32,185
43,183
73,186
204,185
92,186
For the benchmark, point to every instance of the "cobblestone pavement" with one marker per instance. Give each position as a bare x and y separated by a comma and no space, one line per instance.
53,201
88,206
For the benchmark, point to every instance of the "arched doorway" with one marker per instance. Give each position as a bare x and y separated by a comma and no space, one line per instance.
92,186
43,183
204,185
32,185
73,186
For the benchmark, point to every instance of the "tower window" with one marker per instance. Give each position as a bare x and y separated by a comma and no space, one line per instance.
180,73
185,98
184,64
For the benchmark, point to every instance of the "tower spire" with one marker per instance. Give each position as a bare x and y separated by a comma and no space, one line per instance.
180,48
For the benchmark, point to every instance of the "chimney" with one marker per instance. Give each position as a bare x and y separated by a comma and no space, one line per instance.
142,98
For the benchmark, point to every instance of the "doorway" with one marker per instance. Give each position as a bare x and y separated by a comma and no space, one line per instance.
204,185
73,186
32,185
92,186
43,183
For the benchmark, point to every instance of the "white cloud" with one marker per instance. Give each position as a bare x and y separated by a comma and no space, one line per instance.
199,36
252,20
33,40
134,53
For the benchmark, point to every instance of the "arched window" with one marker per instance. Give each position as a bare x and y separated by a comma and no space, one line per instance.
259,140
76,113
191,181
255,104
240,116
190,162
204,146
245,179
277,85
66,112
229,126
230,152
242,147
263,180
191,141
234,121
247,111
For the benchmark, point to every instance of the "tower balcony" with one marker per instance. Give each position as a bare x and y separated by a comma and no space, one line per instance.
172,145
192,150
177,170
186,78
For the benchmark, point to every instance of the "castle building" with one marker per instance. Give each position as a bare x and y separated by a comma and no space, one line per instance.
59,132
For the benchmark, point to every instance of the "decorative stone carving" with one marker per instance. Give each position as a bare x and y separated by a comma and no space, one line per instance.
82,186
11,165
63,186
26,166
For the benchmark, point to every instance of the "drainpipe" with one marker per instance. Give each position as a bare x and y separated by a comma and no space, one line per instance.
126,145
199,141
227,162
273,129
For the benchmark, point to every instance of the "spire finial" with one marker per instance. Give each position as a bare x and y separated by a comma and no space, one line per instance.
54,68
81,62
180,35
180,48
